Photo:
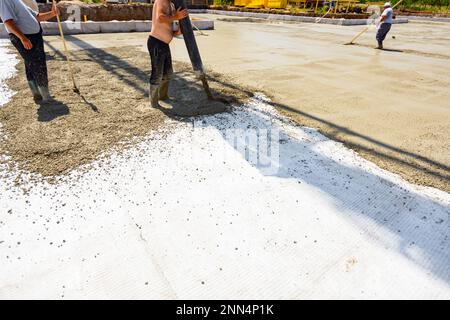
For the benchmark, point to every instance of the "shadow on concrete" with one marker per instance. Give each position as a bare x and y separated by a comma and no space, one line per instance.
138,79
184,104
391,50
417,223
128,73
58,55
415,161
51,111
88,103
188,98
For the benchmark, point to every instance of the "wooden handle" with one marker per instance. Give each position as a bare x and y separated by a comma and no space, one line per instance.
397,4
320,19
66,51
359,34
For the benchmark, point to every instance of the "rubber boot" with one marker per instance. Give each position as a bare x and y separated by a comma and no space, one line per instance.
35,90
154,95
164,90
45,94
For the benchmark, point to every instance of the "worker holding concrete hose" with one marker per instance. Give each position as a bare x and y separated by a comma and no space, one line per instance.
25,33
384,24
163,17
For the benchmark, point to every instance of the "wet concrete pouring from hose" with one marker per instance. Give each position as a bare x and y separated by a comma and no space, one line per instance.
112,112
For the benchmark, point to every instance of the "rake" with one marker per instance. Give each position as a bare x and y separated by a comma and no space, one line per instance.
366,29
66,51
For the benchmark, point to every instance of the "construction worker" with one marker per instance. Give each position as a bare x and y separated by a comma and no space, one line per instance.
385,24
163,17
25,33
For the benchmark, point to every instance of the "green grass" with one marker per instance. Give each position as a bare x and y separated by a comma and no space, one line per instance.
437,3
223,2
416,6
435,6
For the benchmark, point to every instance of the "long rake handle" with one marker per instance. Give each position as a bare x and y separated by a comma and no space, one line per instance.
69,63
359,34
320,19
367,28
203,34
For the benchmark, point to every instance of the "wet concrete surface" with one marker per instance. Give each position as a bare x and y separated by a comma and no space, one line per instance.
392,106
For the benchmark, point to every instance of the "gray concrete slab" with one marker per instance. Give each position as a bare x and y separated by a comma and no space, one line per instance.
389,101
427,19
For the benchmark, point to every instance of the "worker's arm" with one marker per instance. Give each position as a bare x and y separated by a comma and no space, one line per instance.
48,15
383,18
12,27
164,18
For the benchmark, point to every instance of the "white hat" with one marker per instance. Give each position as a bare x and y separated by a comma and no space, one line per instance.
387,4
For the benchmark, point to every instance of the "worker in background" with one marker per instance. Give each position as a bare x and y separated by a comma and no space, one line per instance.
163,30
385,24
25,33
32,4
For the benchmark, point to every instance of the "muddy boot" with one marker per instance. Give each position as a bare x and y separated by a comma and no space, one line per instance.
35,90
45,94
380,45
154,95
164,90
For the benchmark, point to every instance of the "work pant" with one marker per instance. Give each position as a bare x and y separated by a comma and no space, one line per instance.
383,31
161,60
34,59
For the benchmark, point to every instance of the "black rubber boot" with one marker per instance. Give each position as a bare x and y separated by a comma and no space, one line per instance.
154,95
164,90
45,94
35,90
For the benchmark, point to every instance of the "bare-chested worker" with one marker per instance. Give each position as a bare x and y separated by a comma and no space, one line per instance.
163,17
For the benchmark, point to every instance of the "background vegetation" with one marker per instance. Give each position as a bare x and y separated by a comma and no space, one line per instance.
435,6
427,5
223,2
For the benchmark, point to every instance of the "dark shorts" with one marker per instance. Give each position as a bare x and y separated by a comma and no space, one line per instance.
34,59
383,31
161,60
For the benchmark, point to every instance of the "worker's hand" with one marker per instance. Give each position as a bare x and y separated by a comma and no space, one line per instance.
55,10
177,32
27,43
181,14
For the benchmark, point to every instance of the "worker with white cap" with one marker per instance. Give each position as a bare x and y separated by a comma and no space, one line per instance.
385,24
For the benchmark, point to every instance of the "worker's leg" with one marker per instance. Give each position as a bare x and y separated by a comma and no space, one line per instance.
382,33
155,49
39,69
27,56
167,75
